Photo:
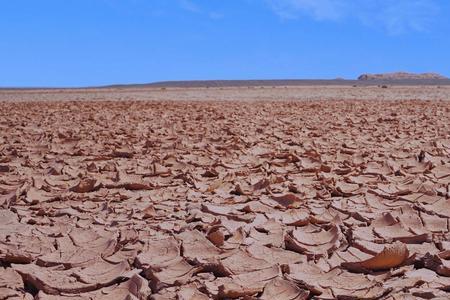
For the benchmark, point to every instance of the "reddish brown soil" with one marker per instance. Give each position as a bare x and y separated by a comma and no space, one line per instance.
198,200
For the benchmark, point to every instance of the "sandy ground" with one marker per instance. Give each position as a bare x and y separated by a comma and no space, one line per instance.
250,193
265,93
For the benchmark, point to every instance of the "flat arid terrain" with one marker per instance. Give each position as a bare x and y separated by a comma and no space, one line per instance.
299,192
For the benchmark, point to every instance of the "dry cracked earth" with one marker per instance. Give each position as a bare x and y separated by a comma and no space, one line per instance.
224,200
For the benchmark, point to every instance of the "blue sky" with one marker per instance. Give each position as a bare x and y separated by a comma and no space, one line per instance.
95,42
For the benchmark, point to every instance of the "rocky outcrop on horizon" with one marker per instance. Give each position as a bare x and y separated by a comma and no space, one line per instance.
402,76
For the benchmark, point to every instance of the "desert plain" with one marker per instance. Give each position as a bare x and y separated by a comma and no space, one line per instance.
311,192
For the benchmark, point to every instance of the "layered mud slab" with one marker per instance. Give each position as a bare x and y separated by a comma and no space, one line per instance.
256,197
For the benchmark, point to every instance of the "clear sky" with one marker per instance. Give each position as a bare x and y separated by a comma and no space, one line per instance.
96,42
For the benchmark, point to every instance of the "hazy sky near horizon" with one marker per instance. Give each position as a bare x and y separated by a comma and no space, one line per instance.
97,42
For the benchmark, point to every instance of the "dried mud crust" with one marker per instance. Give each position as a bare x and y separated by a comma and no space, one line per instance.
225,200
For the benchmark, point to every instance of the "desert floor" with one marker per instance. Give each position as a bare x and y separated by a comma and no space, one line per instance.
250,193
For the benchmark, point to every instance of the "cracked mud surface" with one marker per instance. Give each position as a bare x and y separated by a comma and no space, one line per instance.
221,200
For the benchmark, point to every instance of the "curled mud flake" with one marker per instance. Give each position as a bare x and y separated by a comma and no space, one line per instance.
392,256
134,288
197,247
56,280
241,262
288,200
122,153
136,186
149,212
247,284
191,293
177,273
437,263
262,184
210,173
85,186
275,255
315,243
295,217
216,235
35,196
283,290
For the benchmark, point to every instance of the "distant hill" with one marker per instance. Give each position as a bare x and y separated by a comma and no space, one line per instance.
288,82
402,76
390,79
251,83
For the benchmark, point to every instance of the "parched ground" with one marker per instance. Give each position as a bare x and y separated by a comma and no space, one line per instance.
123,199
